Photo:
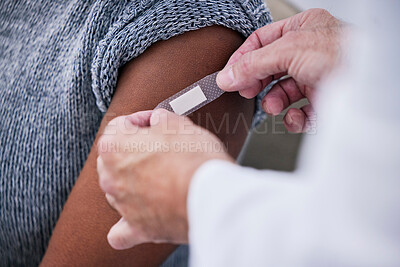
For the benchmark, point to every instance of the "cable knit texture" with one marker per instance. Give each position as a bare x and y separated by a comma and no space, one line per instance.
59,63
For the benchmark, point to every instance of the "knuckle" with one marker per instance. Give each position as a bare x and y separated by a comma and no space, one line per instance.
285,50
315,10
112,201
290,37
111,126
255,37
118,120
121,124
100,164
320,12
103,144
117,126
108,148
107,183
323,12
247,63
113,186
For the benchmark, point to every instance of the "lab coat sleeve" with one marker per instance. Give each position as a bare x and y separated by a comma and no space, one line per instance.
243,217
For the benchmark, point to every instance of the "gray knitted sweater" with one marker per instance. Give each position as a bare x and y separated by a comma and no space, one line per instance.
59,63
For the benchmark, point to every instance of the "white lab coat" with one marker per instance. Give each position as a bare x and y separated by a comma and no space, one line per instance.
342,206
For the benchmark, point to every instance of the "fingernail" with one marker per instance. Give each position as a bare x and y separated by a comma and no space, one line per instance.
225,78
266,108
276,107
289,119
294,124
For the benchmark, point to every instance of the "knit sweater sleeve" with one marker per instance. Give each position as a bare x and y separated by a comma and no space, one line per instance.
145,22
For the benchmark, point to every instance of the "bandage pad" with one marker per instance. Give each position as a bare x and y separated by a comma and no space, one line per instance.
193,97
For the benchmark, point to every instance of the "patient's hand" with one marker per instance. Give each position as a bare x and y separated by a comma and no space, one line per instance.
146,172
306,46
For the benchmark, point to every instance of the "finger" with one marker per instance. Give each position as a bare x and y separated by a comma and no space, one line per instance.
254,69
115,133
258,39
124,236
294,120
120,125
311,116
141,119
298,120
267,35
252,92
261,37
159,116
109,182
281,96
169,121
111,200
106,180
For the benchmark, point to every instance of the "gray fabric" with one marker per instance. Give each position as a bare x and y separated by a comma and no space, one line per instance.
180,257
59,63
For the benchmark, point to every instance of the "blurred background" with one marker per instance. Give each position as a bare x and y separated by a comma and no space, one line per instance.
270,146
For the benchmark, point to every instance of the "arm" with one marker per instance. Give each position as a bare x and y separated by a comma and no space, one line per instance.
79,237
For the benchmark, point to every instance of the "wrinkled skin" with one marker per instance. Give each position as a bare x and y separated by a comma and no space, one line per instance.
306,46
146,171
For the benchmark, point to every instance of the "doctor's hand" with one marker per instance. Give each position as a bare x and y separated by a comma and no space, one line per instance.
145,165
306,46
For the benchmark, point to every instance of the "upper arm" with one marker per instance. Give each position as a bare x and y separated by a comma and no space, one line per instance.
165,68
169,66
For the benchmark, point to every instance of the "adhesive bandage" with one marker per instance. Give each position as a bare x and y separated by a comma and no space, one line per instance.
193,97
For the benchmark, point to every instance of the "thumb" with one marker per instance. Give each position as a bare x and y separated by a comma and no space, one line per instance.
162,117
141,118
124,236
256,69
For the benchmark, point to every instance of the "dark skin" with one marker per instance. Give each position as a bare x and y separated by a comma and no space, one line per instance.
79,238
